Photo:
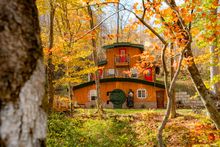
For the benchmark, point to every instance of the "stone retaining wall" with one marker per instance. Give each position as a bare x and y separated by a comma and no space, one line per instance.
185,99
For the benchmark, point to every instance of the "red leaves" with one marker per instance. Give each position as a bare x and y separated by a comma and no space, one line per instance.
204,134
211,137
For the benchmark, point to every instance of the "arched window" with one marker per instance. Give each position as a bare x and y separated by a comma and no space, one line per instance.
142,93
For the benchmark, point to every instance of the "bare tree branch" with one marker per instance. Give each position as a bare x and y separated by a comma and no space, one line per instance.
97,25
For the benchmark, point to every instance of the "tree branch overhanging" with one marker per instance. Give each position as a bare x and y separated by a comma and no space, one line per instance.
95,27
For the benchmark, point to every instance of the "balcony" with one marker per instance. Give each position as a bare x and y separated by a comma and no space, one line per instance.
122,60
111,73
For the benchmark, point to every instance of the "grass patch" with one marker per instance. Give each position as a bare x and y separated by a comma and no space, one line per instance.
124,128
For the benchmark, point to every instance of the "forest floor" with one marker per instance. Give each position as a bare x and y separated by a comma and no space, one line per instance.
129,127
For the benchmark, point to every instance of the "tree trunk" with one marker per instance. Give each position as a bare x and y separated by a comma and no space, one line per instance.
169,89
214,60
214,69
118,24
208,98
50,67
172,94
95,58
22,77
69,89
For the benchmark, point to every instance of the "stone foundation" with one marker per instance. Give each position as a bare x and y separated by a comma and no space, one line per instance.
139,105
145,105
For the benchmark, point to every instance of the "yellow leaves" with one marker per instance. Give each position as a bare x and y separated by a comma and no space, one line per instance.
135,6
101,67
66,59
202,59
146,72
127,72
138,12
147,44
195,31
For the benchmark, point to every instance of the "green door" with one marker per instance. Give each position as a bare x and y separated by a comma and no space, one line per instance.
117,97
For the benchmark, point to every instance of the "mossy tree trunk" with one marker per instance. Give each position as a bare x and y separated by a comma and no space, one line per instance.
22,77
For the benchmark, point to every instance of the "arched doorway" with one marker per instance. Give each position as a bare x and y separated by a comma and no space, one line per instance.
117,97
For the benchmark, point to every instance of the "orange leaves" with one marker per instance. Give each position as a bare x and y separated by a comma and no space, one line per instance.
188,19
181,38
188,61
167,12
197,2
101,67
203,134
148,58
112,1
85,1
111,36
127,72
135,6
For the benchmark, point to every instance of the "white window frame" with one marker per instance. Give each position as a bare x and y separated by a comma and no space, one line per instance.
144,93
111,72
134,71
92,92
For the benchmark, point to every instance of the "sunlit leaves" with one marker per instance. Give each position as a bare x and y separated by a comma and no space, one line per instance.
148,58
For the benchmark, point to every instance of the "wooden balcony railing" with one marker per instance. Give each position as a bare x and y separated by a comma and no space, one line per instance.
110,73
122,60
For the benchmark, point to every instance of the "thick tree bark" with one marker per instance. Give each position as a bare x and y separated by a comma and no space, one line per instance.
50,67
208,98
22,77
95,58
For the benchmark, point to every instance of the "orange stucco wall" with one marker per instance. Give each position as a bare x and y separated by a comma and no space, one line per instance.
110,54
82,95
